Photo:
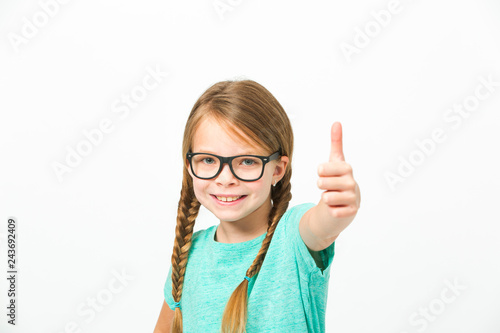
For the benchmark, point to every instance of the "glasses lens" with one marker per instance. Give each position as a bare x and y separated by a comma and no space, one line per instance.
245,167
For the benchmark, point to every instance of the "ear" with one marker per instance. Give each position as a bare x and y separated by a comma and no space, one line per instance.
188,167
280,169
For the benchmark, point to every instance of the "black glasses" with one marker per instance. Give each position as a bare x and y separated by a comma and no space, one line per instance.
247,168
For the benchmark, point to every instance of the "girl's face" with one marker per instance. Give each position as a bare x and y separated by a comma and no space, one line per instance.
210,137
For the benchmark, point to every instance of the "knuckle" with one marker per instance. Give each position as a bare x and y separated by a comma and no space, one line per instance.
321,169
350,184
335,212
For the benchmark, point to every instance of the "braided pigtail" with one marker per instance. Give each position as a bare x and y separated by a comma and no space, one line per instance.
187,212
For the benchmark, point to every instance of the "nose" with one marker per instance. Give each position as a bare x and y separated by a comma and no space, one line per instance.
225,175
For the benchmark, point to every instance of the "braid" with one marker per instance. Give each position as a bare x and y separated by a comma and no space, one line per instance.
281,196
187,212
235,314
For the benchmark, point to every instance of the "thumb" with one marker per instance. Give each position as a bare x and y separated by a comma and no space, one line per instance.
336,152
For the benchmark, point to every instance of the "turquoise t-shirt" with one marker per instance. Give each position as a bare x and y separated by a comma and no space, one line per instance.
289,294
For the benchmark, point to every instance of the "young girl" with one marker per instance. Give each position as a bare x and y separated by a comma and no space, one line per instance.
265,267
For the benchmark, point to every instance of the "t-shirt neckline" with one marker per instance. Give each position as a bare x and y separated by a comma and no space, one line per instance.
235,246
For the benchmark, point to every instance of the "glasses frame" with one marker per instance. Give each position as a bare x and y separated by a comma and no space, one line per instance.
223,160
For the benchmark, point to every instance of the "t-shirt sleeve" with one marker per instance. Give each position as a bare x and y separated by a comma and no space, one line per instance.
167,290
311,264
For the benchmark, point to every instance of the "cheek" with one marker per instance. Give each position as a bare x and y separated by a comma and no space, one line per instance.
259,188
199,189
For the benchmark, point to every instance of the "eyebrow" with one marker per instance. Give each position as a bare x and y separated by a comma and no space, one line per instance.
203,150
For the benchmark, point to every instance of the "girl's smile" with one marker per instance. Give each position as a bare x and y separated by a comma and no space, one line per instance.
229,199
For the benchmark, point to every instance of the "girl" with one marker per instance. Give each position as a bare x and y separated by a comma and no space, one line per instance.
263,268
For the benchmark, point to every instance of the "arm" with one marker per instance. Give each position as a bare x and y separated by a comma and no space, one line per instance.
313,240
165,320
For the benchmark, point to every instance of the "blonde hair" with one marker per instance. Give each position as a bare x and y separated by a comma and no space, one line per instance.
248,106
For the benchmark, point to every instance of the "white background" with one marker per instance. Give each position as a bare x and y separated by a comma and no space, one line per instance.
115,211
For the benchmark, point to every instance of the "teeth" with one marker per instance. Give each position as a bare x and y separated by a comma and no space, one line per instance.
228,198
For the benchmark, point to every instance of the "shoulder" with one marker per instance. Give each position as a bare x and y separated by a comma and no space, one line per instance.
291,218
297,211
202,236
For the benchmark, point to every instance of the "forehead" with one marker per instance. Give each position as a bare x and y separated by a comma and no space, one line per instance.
212,137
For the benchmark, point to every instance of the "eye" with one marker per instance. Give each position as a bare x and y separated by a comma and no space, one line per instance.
207,158
251,162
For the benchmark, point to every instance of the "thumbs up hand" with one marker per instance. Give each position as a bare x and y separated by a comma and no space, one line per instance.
341,199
